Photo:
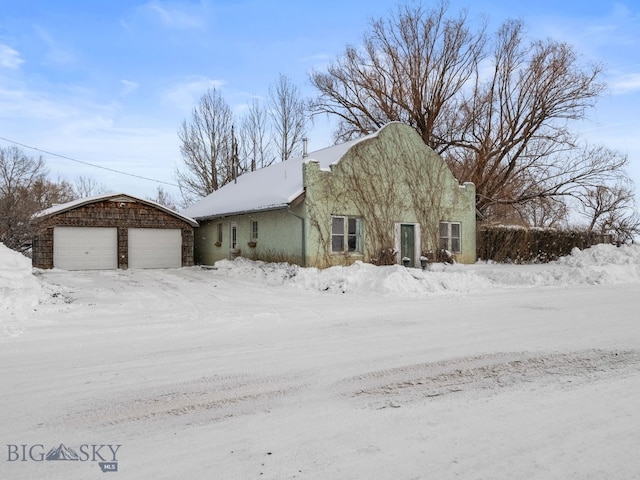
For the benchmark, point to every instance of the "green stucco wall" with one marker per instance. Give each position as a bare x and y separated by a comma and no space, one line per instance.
279,237
387,180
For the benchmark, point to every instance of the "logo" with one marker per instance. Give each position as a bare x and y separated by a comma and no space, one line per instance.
105,455
62,453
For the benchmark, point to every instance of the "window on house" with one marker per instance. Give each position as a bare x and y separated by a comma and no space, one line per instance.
254,230
345,234
450,236
220,232
234,235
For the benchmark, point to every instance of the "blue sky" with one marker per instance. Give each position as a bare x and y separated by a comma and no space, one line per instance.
110,81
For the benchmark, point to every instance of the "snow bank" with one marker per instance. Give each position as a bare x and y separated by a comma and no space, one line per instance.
19,289
601,264
359,277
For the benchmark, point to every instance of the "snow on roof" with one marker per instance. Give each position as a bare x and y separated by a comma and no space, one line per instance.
63,207
269,188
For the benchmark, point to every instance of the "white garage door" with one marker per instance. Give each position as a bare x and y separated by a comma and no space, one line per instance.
85,248
155,248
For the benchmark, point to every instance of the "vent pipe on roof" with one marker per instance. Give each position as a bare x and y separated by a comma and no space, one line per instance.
304,148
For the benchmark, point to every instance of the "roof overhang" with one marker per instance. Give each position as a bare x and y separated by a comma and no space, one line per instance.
113,197
297,200
244,212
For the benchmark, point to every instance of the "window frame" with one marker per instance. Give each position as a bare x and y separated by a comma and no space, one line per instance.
449,238
219,233
254,230
234,235
347,236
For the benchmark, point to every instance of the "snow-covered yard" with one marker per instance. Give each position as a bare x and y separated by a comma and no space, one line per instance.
251,370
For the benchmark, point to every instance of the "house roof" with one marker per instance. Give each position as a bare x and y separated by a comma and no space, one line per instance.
63,207
269,188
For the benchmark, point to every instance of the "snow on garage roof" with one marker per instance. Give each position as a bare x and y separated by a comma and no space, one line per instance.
63,207
269,188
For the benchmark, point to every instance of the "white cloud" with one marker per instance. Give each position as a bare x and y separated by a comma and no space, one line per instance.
185,95
18,103
128,86
172,16
9,58
54,54
626,83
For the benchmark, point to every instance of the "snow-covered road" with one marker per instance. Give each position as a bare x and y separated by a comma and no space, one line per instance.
264,371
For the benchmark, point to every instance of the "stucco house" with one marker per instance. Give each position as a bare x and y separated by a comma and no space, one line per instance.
110,231
381,198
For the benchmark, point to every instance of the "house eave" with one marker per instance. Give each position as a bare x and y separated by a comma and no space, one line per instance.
297,200
114,197
242,212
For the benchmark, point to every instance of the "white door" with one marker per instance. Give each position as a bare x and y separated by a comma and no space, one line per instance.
155,248
85,248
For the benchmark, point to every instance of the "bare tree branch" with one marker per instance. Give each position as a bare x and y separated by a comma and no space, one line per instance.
498,108
288,117
255,137
25,190
206,147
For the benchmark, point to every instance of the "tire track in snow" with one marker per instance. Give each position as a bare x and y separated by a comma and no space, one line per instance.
204,401
488,373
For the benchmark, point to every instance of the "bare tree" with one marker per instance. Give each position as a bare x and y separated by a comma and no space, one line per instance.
206,147
288,117
18,174
610,209
544,212
164,198
24,190
410,68
45,193
18,171
255,142
511,135
497,108
87,187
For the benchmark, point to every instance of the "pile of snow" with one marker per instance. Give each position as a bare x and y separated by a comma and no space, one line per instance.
360,277
600,264
605,264
19,289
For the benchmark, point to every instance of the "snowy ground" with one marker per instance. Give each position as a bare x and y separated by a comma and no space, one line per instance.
262,371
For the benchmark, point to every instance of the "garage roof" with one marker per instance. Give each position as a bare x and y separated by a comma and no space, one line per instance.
115,197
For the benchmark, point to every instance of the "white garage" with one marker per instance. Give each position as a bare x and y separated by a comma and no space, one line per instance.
111,231
155,248
85,248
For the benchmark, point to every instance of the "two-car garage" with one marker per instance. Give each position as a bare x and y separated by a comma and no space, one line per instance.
96,248
110,232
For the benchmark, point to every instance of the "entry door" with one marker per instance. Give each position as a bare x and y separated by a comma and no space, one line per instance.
407,243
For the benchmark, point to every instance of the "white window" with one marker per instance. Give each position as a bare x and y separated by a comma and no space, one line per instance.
345,234
450,236
254,230
220,233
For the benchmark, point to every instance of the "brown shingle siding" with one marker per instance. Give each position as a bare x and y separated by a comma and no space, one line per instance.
108,213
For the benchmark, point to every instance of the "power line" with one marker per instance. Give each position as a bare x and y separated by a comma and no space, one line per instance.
89,164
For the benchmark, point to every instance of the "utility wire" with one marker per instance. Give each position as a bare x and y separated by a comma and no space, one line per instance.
89,164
